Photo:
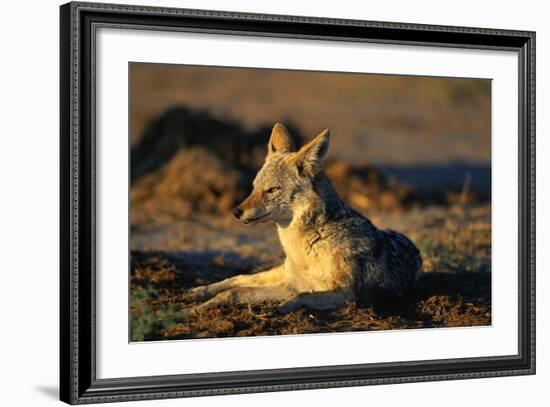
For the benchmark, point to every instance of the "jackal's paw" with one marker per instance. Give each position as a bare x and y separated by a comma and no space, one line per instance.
188,312
199,293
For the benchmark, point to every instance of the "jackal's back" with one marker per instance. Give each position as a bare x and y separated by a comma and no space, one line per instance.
390,264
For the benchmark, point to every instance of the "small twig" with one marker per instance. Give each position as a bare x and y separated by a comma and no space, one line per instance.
465,188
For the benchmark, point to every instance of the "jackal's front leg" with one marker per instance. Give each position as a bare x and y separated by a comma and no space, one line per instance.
247,295
269,278
322,301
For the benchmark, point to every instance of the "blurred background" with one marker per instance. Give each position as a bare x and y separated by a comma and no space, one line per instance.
431,134
411,153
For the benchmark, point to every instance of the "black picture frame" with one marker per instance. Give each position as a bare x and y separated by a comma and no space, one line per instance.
78,382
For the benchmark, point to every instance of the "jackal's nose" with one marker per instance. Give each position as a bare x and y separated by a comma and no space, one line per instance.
238,212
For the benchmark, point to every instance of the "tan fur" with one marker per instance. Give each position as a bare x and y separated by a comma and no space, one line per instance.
333,255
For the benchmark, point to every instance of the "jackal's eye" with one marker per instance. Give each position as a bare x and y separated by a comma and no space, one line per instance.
272,189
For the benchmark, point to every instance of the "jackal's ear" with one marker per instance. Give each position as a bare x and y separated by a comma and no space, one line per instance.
280,140
310,158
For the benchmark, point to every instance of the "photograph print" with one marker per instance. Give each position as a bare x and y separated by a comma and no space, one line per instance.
284,202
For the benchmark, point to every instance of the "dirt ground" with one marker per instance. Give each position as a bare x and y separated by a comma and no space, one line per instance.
454,290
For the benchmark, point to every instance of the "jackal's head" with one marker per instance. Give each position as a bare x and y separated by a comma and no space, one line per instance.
285,182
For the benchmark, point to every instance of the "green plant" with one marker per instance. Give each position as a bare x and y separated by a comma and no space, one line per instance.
148,318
